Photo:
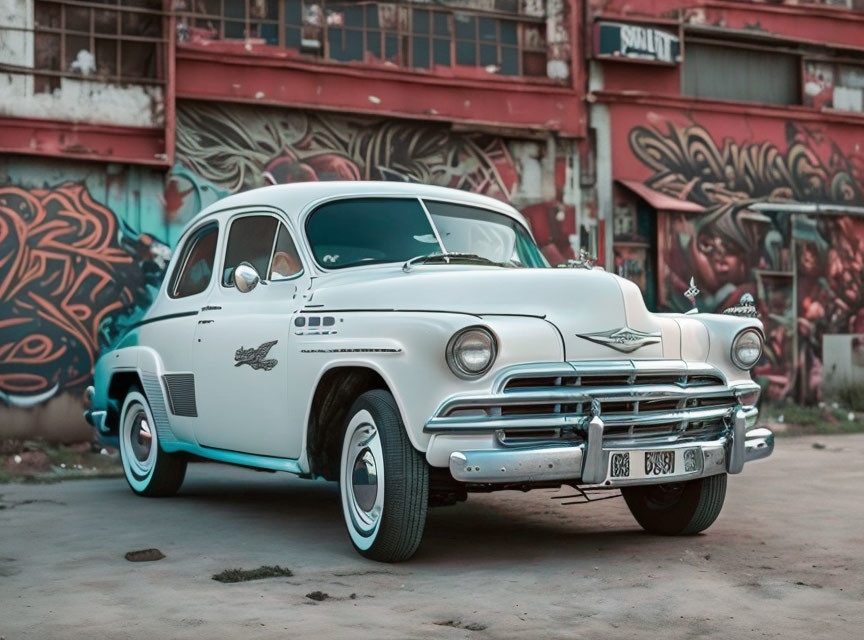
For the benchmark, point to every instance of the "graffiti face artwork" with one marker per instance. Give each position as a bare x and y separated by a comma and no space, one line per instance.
234,148
735,247
71,277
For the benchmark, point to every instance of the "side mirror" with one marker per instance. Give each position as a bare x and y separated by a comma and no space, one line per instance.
246,277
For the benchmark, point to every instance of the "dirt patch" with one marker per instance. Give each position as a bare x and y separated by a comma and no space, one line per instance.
21,503
245,575
38,462
144,555
467,626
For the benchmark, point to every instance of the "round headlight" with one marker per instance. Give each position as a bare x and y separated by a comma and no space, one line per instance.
471,352
747,349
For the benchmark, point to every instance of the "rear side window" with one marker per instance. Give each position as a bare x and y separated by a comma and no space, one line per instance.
250,239
195,266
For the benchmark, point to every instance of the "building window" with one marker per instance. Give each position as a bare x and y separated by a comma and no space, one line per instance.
116,41
403,34
746,75
834,86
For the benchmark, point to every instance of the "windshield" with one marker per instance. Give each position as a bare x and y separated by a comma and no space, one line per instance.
360,231
494,236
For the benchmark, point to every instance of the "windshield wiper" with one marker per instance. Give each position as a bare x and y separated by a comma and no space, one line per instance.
451,257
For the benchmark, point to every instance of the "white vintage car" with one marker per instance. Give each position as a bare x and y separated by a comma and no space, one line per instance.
412,343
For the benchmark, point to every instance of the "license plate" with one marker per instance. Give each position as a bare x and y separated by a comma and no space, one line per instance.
654,464
659,463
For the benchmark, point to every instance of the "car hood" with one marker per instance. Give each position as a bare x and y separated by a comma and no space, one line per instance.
598,314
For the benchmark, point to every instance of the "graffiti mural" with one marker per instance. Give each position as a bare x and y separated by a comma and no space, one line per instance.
72,276
737,247
233,148
688,164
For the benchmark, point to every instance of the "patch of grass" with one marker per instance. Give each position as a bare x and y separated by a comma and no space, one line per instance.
850,395
800,420
245,575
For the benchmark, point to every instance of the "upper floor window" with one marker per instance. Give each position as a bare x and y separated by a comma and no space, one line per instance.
195,266
829,85
402,34
116,41
732,73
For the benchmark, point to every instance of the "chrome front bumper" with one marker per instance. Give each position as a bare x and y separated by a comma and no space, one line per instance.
589,463
575,420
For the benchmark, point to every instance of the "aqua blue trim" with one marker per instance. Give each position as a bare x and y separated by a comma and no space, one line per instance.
235,457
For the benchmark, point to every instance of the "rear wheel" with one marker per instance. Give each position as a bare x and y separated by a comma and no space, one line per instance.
383,481
149,470
677,508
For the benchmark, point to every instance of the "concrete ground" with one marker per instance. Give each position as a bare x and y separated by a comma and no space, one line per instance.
785,560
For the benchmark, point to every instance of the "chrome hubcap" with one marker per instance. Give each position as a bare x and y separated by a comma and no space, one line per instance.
141,439
362,478
138,443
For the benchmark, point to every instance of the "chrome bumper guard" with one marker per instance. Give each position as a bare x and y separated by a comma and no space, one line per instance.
589,465
569,398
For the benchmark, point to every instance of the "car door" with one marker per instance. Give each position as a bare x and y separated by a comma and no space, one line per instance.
171,325
241,343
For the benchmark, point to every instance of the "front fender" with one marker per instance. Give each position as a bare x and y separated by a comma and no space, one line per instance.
408,351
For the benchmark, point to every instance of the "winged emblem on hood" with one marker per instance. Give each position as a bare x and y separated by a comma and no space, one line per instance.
623,339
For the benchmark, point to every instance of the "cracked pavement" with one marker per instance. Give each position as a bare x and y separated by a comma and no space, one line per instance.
785,560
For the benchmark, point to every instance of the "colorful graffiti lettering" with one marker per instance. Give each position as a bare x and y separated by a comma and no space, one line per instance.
72,277
688,164
737,247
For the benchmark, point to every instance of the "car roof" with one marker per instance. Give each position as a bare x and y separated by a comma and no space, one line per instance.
295,198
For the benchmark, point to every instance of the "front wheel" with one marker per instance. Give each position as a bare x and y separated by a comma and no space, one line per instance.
677,508
383,481
149,470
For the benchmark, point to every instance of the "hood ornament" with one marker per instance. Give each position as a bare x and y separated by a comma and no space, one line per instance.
624,339
584,261
746,307
691,294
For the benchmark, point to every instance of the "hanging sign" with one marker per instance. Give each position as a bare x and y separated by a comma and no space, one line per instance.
636,43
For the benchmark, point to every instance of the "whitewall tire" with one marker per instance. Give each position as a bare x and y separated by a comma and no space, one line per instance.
383,481
149,470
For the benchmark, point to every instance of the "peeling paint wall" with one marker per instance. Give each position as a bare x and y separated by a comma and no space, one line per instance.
76,99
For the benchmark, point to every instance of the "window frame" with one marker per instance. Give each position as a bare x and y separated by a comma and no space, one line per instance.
279,221
183,259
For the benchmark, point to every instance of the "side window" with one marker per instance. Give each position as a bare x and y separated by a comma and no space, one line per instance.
250,239
286,261
195,266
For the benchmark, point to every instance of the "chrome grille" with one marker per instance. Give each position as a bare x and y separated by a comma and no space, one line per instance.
645,401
